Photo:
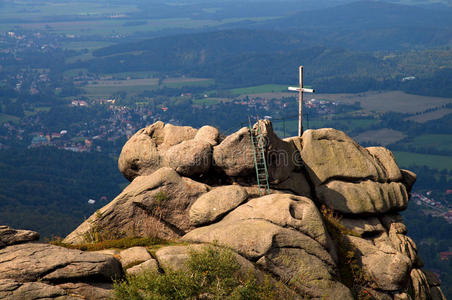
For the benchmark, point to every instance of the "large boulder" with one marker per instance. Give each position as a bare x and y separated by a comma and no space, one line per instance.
363,226
150,265
386,162
386,268
208,134
365,197
287,211
133,256
89,291
408,179
234,155
265,228
189,158
282,157
158,145
43,271
351,179
308,274
434,283
175,258
11,290
419,285
35,261
297,183
154,205
10,236
216,203
330,154
140,155
397,230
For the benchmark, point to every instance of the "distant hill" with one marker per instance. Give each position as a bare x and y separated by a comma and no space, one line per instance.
243,57
372,25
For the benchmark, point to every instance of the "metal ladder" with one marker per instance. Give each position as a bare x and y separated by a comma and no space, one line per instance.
260,164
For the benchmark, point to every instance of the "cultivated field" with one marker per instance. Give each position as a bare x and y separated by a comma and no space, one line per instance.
440,142
260,89
433,115
408,159
382,102
381,137
371,102
8,118
91,18
106,88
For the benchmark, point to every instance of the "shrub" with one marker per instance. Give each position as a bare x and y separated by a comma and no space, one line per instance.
212,273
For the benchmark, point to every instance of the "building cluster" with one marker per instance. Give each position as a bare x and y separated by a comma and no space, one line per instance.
118,123
319,107
435,207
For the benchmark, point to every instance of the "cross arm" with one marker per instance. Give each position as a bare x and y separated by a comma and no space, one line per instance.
297,89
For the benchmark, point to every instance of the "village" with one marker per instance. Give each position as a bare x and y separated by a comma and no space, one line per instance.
433,207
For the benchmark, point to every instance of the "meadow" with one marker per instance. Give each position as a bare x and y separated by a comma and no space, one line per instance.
440,142
96,18
265,88
409,159
107,88
8,118
384,136
382,102
429,116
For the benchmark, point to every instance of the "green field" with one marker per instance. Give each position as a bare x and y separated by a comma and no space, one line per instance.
115,26
34,10
265,88
82,17
441,142
8,118
135,87
133,75
395,101
89,45
408,159
382,136
75,72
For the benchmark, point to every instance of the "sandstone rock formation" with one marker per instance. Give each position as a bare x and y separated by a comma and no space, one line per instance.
43,271
10,236
187,150
330,227
283,234
153,204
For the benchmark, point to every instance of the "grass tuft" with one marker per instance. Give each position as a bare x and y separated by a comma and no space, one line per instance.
212,273
123,243
349,265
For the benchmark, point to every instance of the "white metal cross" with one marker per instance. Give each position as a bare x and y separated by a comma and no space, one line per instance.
300,90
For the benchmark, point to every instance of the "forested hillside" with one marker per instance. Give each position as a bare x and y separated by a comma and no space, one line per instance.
48,189
244,57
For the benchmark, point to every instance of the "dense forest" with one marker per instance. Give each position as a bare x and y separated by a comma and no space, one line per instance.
47,189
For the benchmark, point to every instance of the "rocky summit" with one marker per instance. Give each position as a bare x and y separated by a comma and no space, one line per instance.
328,226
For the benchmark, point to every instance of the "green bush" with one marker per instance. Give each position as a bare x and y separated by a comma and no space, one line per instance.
212,273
